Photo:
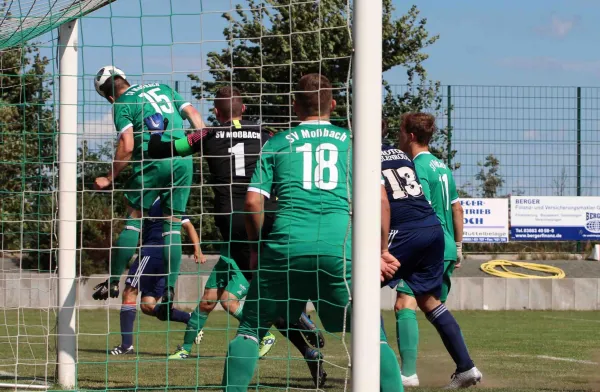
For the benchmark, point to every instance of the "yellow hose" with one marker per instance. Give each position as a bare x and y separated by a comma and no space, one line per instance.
490,268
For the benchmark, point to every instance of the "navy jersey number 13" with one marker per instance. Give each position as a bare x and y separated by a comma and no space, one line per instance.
408,204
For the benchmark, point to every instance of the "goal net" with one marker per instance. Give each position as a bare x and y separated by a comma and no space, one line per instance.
196,47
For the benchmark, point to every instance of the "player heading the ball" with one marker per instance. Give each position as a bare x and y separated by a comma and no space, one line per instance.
138,111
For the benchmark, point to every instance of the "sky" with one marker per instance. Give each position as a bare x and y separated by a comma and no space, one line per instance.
510,42
487,50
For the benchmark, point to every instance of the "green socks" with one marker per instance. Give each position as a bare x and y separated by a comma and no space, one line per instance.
172,250
389,372
241,359
125,248
238,313
407,333
194,325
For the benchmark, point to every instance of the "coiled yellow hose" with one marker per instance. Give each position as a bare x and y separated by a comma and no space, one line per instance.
490,268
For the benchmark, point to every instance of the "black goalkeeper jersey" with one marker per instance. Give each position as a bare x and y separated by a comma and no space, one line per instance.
231,152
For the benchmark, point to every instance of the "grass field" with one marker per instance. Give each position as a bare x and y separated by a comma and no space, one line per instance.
534,351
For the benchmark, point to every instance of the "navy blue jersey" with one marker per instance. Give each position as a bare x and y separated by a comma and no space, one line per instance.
152,233
409,207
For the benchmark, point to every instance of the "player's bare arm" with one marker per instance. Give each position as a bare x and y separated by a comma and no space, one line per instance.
195,240
458,222
255,207
193,116
122,157
389,264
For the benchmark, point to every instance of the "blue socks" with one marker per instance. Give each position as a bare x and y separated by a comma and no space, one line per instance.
175,315
128,312
449,331
180,316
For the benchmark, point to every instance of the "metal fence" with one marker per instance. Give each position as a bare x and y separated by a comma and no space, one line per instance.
543,138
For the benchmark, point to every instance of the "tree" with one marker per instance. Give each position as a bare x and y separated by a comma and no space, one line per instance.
27,155
560,183
277,41
489,177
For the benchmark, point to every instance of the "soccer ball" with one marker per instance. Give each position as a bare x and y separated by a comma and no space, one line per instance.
104,74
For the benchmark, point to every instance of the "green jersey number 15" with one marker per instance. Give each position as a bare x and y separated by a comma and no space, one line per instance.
160,102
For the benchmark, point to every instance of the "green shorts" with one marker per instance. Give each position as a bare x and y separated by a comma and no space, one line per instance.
169,179
283,292
446,284
226,275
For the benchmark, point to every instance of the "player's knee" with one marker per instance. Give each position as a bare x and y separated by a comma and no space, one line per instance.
404,301
428,302
130,295
207,306
148,309
229,302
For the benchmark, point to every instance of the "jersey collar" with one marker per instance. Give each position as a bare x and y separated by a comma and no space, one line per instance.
421,153
315,122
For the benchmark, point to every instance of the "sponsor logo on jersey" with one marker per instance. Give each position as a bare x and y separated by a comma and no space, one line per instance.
237,135
434,165
393,154
316,133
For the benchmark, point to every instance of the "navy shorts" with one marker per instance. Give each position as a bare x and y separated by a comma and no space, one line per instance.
421,255
148,275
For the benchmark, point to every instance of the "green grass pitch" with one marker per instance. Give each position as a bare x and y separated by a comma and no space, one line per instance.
529,351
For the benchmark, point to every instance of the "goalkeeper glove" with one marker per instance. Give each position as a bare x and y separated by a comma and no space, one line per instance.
157,149
459,254
156,123
102,290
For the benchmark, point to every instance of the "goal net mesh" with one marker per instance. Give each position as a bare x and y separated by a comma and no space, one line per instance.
196,47
25,20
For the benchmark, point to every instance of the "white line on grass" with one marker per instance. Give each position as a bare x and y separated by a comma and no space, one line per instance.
550,358
571,319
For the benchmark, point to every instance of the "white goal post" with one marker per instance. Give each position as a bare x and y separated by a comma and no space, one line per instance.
366,183
67,205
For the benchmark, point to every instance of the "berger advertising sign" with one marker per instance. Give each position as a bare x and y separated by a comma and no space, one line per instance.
554,218
486,220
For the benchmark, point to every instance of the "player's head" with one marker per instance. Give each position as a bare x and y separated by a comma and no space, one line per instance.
228,104
416,130
314,97
111,82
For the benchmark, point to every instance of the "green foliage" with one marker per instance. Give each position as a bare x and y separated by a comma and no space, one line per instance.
27,156
277,41
489,177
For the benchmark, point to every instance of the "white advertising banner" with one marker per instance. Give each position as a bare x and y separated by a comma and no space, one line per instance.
554,218
486,220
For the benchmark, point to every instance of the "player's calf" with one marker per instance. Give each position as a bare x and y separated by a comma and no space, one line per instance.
448,329
165,306
127,320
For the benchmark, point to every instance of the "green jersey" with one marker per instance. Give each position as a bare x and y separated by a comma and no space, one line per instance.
141,101
439,188
309,169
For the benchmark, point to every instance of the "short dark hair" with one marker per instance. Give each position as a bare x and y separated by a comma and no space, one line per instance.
422,125
314,95
113,84
384,127
228,101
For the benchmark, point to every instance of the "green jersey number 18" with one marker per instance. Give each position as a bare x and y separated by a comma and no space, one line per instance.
323,163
